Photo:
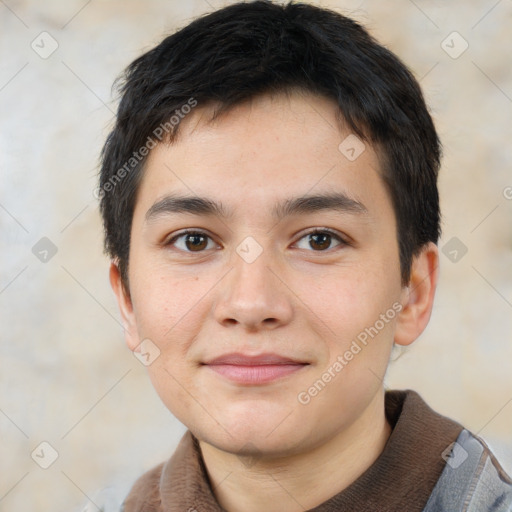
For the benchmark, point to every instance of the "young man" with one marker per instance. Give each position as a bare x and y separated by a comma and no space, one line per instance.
269,196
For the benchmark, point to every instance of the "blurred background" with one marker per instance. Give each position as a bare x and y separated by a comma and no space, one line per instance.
79,420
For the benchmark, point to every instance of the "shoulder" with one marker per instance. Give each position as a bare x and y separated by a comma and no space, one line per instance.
472,480
172,483
144,496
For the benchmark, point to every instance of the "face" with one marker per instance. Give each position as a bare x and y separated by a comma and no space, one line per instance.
258,298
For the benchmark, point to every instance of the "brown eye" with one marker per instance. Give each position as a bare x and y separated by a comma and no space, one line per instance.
320,240
196,242
192,241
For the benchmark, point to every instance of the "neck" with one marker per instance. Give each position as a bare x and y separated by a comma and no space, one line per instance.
299,482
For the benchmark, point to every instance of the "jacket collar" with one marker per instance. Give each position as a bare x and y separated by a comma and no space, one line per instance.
402,478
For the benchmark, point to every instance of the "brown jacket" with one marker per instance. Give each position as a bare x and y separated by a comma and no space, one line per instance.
403,477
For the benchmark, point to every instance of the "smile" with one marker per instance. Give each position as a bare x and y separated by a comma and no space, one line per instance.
254,369
256,374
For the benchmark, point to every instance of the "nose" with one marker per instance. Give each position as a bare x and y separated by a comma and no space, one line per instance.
252,296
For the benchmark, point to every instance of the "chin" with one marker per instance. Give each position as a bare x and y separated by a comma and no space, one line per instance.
255,432
251,444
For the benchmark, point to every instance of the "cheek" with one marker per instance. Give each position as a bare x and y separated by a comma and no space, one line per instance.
347,300
170,312
354,314
168,307
176,389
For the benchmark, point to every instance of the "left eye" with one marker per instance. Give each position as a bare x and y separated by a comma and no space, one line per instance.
192,241
320,240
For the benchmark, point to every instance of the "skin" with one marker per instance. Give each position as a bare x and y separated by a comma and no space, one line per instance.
263,449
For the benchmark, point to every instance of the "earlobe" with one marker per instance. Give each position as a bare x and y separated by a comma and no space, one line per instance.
418,296
125,307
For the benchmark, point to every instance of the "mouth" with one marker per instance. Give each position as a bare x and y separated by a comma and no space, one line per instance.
254,370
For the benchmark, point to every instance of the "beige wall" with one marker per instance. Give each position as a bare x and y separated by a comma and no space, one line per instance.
66,376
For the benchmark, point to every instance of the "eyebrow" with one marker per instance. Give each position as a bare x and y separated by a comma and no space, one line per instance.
195,205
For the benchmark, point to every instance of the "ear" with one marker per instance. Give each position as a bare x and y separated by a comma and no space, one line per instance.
418,296
125,306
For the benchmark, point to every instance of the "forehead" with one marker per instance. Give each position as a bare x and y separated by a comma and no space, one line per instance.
261,151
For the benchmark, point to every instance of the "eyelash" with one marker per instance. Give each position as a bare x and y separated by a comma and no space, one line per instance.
342,241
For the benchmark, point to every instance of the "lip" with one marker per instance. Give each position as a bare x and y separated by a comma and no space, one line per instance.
254,369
